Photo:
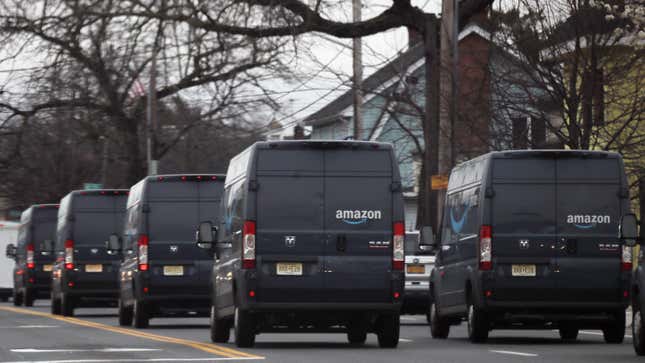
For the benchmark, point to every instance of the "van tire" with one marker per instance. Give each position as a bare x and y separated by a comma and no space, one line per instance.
220,328
55,305
30,297
244,329
66,305
140,315
478,325
637,331
615,333
568,333
125,314
439,328
388,330
17,298
357,332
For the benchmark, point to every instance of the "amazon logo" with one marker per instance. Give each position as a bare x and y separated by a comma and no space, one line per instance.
457,223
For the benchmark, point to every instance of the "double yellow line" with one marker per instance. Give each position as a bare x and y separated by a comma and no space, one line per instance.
206,347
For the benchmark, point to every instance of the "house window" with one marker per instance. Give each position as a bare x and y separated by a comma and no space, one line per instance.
538,133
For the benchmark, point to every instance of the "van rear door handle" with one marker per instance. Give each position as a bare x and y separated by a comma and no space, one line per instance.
341,243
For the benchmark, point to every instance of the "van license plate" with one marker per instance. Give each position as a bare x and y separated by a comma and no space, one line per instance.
47,268
173,270
289,269
416,269
523,270
93,268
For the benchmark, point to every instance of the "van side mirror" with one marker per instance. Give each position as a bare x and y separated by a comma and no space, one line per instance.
205,236
427,241
46,247
113,244
11,250
628,230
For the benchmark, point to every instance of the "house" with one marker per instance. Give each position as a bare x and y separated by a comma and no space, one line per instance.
394,105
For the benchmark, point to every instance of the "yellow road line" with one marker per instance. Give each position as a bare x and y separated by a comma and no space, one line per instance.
206,347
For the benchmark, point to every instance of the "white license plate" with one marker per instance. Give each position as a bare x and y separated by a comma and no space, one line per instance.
47,268
523,270
288,268
93,268
173,270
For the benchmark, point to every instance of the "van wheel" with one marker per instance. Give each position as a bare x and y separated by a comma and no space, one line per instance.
17,298
478,325
67,305
220,328
30,297
615,333
357,332
140,315
244,329
637,332
388,330
55,305
439,328
125,314
568,333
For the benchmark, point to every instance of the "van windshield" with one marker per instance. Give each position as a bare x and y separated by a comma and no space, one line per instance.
177,221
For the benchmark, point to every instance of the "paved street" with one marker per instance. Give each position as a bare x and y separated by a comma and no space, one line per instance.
33,335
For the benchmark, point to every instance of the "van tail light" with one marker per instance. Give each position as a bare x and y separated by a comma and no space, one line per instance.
248,243
142,244
30,256
626,259
485,248
398,254
69,254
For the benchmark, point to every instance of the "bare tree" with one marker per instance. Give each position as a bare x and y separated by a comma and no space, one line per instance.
87,58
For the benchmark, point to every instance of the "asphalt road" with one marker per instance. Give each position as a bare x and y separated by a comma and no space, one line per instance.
33,335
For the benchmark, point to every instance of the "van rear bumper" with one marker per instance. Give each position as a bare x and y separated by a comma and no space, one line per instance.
578,306
326,306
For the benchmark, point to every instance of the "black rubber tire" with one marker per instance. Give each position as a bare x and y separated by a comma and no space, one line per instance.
55,305
615,333
30,297
638,335
389,327
244,323
220,328
17,298
357,332
125,314
478,325
66,305
140,315
568,333
439,328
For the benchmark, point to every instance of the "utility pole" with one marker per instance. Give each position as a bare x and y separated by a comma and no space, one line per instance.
448,90
358,74
431,121
151,144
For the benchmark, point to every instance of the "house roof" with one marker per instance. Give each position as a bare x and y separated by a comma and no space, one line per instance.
334,110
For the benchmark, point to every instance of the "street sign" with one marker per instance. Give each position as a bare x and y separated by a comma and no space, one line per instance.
92,186
439,182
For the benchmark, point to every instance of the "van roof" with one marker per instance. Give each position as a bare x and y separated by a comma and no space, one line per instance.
323,144
100,192
185,177
553,153
48,205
